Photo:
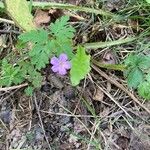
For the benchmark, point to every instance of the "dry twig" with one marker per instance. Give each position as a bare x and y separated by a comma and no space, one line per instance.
13,87
117,84
38,112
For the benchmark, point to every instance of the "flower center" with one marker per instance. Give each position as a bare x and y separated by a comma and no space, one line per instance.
61,64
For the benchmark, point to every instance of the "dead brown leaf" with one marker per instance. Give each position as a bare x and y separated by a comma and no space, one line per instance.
98,95
41,17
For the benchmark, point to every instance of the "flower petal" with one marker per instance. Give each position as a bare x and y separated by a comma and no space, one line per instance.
63,57
54,61
55,68
62,71
67,65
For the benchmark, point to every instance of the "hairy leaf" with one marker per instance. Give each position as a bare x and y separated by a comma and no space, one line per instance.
80,66
19,11
135,77
144,90
144,62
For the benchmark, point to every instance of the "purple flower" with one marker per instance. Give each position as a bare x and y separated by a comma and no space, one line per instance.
61,64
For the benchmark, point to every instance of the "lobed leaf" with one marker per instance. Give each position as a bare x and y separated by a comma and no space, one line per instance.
144,90
80,66
135,77
62,33
61,28
10,74
40,55
34,36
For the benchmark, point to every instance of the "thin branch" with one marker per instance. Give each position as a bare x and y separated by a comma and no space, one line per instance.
7,21
117,84
42,126
13,87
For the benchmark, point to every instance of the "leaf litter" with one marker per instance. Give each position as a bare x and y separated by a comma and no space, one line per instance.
67,120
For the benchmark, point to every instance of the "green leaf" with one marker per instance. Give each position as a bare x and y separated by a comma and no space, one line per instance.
144,90
10,74
133,61
62,32
148,77
141,61
40,55
63,47
31,74
148,1
135,77
36,79
80,66
62,29
19,11
41,47
34,36
144,62
29,90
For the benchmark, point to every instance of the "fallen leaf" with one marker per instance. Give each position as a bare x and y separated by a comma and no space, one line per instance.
98,95
19,11
123,142
41,17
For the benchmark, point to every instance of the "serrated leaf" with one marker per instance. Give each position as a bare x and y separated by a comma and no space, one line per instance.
141,61
148,77
29,90
63,34
135,77
10,74
34,36
144,90
63,47
62,29
19,11
144,62
80,66
40,55
131,60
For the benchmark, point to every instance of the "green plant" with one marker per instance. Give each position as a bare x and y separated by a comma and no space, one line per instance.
138,74
80,66
148,1
37,47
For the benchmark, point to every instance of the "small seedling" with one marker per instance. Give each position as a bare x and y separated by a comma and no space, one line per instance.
138,74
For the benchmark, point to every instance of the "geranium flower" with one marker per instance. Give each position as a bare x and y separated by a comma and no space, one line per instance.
61,64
